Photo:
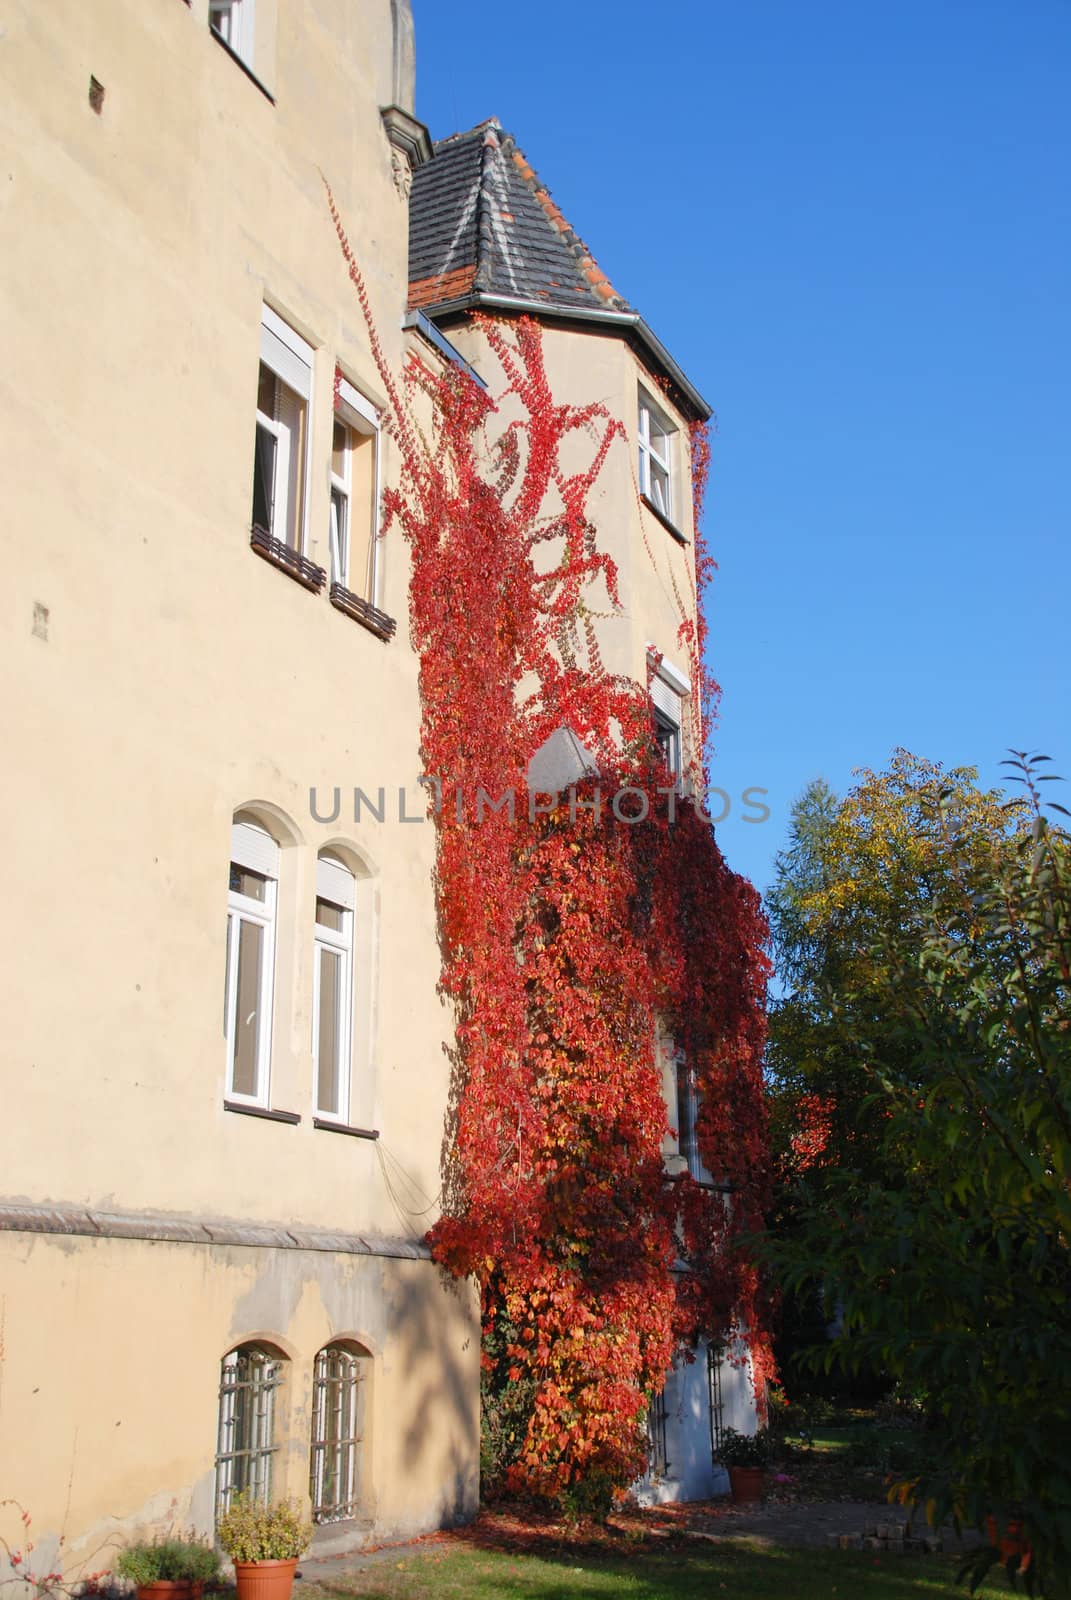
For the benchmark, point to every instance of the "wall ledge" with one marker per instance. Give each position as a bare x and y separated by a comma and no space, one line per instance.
172,1229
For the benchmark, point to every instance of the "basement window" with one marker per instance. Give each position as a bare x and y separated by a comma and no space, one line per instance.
250,1379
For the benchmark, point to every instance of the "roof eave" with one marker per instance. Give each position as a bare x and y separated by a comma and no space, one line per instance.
629,322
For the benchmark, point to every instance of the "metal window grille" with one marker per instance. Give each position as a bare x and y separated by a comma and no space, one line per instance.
336,1435
657,1455
249,1381
715,1358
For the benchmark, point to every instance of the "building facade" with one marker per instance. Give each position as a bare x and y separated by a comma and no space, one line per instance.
225,1076
486,237
224,1080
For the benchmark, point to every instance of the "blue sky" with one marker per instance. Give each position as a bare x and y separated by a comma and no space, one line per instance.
851,223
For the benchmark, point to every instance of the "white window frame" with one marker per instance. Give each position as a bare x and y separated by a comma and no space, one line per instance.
336,1396
336,884
253,849
285,353
250,1378
669,687
651,454
360,416
688,1142
341,484
234,21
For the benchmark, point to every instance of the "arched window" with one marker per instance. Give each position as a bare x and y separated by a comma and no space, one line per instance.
332,987
338,1406
250,1378
251,899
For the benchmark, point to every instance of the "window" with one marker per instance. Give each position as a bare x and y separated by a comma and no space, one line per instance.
354,492
280,475
251,900
332,987
249,1383
668,690
337,1416
656,456
657,1457
668,735
233,21
680,1149
686,1114
715,1359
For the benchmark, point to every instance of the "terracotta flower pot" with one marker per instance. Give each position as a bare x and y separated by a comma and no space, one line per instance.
171,1589
1011,1543
265,1580
746,1484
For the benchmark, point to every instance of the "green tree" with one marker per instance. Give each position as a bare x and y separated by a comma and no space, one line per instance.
945,1235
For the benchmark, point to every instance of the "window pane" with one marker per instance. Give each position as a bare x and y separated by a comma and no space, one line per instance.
327,1073
362,500
340,555
245,1023
685,1118
329,916
659,487
264,479
340,443
251,884
266,391
290,413
659,436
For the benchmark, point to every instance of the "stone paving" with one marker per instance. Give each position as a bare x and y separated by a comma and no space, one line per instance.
804,1522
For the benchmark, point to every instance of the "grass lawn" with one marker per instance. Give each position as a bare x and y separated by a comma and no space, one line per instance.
691,1570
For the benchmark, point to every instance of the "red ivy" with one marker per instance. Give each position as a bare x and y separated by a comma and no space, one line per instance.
564,940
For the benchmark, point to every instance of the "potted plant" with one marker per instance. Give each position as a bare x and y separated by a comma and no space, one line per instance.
168,1569
265,1543
745,1455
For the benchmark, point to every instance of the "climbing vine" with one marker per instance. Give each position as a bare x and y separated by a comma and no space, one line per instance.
570,932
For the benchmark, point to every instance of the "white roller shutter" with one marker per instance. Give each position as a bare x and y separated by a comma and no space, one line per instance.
334,882
286,353
254,848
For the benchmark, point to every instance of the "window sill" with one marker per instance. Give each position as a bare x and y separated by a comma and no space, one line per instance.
261,1111
327,1126
288,560
669,526
701,1183
362,611
246,68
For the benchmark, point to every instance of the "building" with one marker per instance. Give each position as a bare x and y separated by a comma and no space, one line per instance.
225,1074
487,237
224,1080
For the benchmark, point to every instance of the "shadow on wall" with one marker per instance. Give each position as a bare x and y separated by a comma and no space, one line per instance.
439,1378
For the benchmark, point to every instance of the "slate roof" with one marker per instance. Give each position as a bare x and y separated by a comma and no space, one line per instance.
480,219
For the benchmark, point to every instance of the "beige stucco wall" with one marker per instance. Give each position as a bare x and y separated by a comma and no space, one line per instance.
109,1409
656,572
182,677
176,679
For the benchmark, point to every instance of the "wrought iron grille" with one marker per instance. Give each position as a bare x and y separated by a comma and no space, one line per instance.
657,1456
715,1358
336,1434
249,1381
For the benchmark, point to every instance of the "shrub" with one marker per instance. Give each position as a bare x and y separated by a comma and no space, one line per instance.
168,1560
743,1449
590,1498
252,1531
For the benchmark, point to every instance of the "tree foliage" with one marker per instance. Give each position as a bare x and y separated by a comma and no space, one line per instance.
938,1214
